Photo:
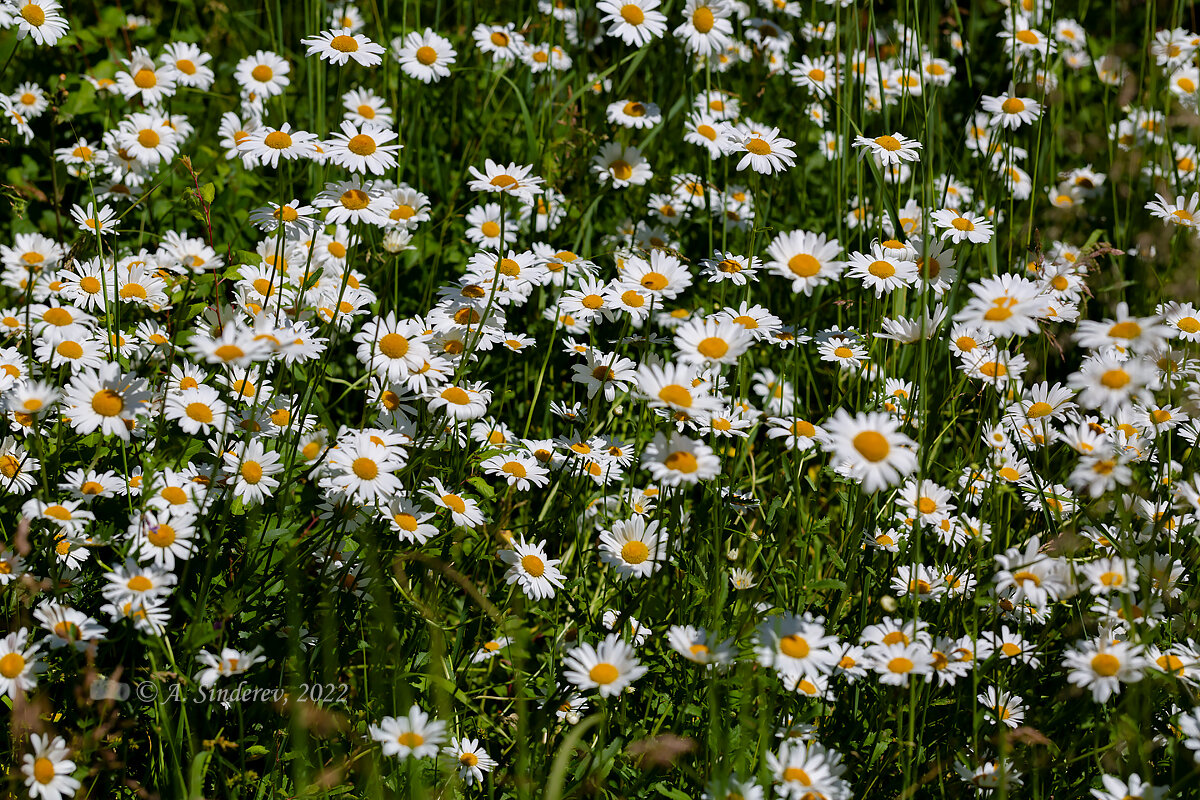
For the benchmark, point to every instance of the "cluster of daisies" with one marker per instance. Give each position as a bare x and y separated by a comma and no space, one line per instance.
673,362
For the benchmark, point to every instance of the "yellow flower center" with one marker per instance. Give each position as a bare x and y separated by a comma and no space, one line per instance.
881,269
161,536
393,345
604,673
139,583
681,461
361,145
1105,665
1013,105
872,445
355,199
713,347
344,44
1115,378
794,646
533,565
43,771
632,14
12,665
145,79
634,552
889,143
107,403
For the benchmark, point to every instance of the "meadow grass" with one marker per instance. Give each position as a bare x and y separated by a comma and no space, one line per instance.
843,448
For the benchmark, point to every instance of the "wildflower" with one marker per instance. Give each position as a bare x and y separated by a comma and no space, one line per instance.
636,22
621,166
765,151
700,646
339,46
678,459
19,664
1010,111
411,736
469,758
364,149
889,150
870,448
42,21
609,667
537,575
264,73
513,180
1103,666
229,662
634,548
48,769
106,400
958,227
425,56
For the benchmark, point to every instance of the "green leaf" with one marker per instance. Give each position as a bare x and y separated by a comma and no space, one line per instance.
208,191
482,486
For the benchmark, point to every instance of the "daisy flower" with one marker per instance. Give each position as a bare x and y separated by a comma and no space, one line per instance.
48,769
621,165
264,73
463,510
517,469
364,149
698,645
530,568
879,271
514,180
364,468
766,152
190,64
460,402
1182,212
1108,383
95,220
353,201
794,644
1102,666
889,150
411,736
958,226
636,22
1010,111
470,760
678,459
870,447
1004,305
229,662
711,341
253,468
610,667
706,29
425,56
19,664
808,260
1135,789
266,145
40,20
339,46
634,114
106,400
633,548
